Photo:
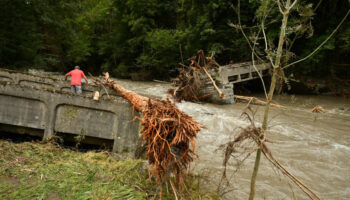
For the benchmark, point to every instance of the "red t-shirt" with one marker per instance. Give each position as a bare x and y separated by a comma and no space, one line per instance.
76,76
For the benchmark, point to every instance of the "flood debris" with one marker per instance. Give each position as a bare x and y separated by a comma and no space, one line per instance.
249,140
193,78
192,81
319,109
169,134
256,101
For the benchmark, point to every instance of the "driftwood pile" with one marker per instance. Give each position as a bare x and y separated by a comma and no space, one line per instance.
169,133
192,78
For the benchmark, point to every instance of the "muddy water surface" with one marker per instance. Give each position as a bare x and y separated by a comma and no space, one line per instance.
313,147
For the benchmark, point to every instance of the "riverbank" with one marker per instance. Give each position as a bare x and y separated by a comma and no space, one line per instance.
32,170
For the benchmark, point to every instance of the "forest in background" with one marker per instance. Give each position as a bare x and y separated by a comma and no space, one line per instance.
153,36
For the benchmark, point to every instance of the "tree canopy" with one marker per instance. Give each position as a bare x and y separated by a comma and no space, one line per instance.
153,36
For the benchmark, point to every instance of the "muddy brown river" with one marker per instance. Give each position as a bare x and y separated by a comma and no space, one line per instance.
315,147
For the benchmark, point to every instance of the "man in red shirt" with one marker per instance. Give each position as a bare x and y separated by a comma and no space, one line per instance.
75,81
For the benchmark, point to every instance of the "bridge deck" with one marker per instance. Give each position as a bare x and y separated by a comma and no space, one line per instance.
240,72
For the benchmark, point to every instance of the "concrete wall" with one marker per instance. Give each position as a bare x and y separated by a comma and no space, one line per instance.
43,103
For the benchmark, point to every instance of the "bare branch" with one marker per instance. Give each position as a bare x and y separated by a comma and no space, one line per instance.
293,4
242,31
280,6
324,42
253,47
253,60
266,44
263,30
318,5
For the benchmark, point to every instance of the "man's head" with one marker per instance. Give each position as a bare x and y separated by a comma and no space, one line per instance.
77,67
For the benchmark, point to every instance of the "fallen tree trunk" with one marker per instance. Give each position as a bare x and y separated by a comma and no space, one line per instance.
256,101
169,133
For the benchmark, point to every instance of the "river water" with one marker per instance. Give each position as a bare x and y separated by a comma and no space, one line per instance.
315,147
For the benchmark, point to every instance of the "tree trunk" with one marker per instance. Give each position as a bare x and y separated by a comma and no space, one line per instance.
276,67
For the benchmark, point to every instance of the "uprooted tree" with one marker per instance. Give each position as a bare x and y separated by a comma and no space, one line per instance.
192,79
169,134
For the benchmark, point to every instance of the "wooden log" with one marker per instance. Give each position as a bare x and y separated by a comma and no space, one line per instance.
139,102
96,96
256,101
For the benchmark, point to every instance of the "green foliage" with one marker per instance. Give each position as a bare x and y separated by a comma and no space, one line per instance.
336,51
19,34
126,36
161,51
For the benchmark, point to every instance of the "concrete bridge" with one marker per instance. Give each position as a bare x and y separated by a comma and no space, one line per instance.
226,76
241,72
44,106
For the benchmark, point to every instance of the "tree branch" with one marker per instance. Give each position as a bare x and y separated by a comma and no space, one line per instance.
293,4
263,30
253,61
324,42
280,6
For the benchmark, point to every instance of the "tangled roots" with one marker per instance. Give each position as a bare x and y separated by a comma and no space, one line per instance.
169,134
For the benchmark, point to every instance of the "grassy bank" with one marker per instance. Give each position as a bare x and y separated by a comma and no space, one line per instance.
31,170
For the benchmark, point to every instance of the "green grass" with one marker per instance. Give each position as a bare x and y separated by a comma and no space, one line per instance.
46,171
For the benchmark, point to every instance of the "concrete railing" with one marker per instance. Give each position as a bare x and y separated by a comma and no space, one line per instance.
240,72
46,105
